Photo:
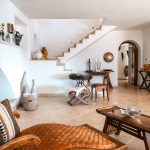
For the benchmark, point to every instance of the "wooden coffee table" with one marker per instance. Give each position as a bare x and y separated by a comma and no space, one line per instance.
116,122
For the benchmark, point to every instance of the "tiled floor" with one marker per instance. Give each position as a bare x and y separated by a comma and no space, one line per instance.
55,109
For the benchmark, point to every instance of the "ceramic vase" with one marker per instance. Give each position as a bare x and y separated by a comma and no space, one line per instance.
44,53
8,38
37,55
23,86
33,90
98,65
23,83
18,38
30,103
94,64
126,71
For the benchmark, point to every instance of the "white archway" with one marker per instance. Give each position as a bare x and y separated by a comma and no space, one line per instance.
126,52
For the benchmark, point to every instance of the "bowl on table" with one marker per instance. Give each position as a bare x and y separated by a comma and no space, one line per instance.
131,112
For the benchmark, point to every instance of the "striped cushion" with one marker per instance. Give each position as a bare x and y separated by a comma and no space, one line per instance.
8,125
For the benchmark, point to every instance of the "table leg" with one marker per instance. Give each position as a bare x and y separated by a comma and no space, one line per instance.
118,132
109,81
108,128
118,129
105,128
144,81
148,87
147,140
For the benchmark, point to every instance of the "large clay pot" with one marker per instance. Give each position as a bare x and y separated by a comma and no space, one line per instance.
30,103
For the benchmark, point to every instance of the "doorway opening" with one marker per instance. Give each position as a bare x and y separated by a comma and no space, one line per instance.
128,62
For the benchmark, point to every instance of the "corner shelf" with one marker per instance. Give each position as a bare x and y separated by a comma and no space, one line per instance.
10,44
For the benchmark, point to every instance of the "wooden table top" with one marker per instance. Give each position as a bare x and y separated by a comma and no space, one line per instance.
79,76
142,122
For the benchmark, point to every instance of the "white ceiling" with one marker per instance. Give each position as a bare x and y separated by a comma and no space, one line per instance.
126,14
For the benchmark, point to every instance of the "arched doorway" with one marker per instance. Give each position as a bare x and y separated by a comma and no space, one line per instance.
128,60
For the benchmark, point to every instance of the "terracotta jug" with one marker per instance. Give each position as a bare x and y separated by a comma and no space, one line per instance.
44,53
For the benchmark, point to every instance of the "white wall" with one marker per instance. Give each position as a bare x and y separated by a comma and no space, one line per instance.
110,43
5,87
49,78
146,46
12,57
9,12
15,60
57,35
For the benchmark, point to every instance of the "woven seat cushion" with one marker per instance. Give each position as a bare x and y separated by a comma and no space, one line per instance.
99,85
63,137
8,125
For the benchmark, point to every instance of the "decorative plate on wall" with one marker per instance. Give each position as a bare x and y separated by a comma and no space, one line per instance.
108,57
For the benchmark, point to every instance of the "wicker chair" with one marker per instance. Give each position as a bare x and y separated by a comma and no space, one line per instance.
62,137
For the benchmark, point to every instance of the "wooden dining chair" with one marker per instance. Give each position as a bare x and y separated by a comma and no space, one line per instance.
104,86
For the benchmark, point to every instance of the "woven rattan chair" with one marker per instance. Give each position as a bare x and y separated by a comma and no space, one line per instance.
62,137
104,86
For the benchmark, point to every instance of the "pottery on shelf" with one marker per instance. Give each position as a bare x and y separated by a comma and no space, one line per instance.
44,53
18,38
2,33
37,55
8,38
